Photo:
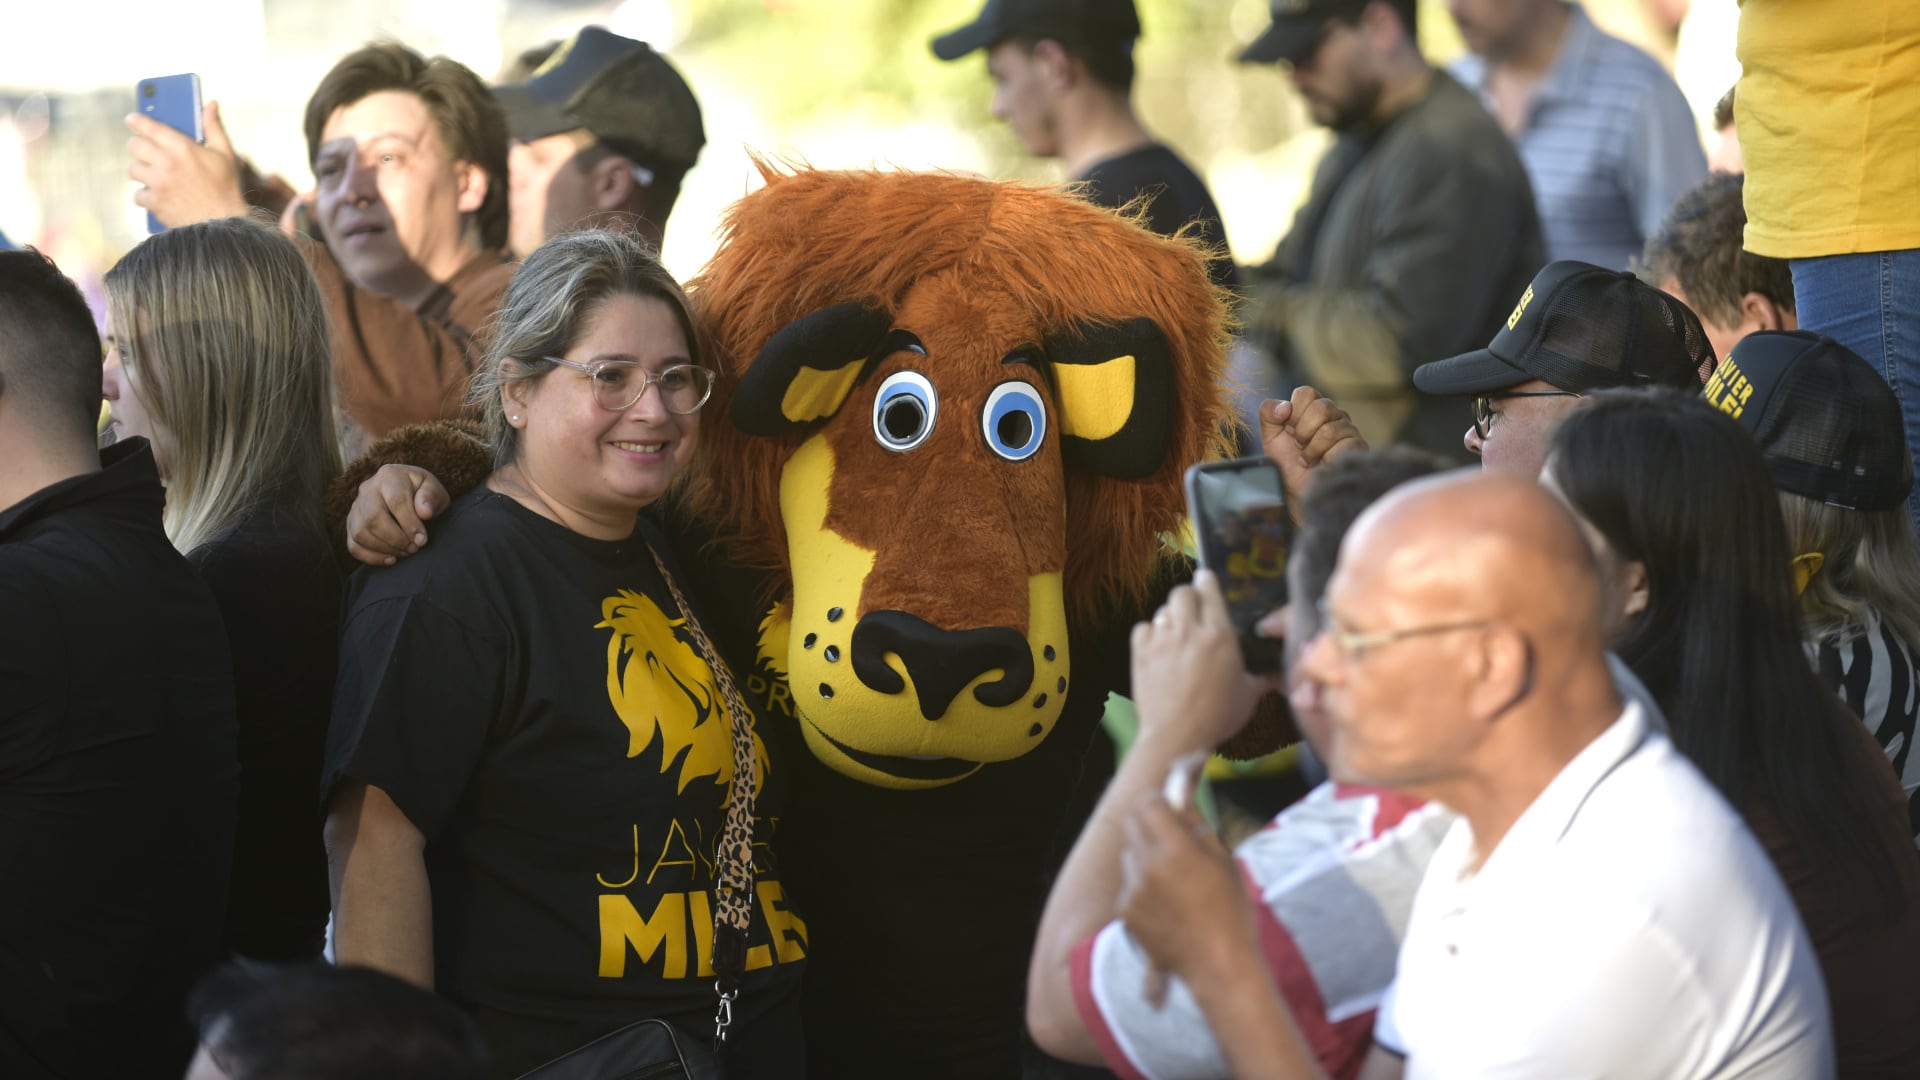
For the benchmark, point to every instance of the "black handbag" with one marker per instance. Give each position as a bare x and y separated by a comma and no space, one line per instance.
655,1049
643,1050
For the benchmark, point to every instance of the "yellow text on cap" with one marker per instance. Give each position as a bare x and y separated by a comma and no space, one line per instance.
1728,389
1520,309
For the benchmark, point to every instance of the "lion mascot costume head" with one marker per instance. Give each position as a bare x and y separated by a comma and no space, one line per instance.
952,428
960,412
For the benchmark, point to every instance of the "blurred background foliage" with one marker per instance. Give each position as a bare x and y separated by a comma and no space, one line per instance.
835,83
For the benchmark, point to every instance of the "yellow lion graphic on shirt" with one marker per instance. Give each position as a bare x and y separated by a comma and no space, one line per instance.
660,685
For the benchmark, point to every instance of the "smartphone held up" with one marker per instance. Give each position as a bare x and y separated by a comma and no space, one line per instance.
1240,519
173,100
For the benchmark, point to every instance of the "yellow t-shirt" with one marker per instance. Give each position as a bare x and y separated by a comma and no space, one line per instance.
1829,119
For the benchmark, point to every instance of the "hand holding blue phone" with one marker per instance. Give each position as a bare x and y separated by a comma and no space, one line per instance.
181,155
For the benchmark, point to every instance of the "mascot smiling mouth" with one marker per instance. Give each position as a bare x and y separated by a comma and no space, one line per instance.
888,697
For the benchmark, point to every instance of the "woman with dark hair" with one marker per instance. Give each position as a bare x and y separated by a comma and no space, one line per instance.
1683,515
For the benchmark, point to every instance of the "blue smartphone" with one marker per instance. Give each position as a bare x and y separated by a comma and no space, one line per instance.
174,100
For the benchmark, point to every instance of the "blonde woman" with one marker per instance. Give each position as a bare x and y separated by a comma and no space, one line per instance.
546,798
1830,429
217,353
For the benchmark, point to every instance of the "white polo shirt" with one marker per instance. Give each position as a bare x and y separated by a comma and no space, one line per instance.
1628,925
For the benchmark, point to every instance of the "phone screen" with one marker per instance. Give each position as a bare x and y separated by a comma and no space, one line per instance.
1240,518
174,100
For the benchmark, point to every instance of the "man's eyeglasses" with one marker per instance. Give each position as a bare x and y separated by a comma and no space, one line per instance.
1353,646
1483,414
617,384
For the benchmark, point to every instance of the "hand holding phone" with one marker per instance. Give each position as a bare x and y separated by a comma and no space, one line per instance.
181,157
1240,518
173,100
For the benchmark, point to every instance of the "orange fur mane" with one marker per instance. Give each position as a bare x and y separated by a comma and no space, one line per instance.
812,239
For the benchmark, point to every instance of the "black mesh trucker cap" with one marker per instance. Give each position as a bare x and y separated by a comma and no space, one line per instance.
1066,21
1827,423
1582,328
619,89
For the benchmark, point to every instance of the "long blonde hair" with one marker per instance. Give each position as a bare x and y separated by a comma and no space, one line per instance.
1871,564
222,327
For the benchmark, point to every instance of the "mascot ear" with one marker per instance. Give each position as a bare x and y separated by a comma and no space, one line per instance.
805,371
1115,384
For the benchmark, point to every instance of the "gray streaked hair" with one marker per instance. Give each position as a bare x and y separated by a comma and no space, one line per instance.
1871,565
553,294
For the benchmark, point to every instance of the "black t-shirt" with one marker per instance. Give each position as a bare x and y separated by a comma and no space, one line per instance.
1178,196
279,592
923,904
531,700
117,785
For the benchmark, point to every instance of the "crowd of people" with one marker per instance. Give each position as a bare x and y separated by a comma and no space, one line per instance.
1617,725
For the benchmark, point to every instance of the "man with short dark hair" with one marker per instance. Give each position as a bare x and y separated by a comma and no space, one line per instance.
118,779
320,1022
603,133
1700,257
410,160
1063,81
1417,234
1578,328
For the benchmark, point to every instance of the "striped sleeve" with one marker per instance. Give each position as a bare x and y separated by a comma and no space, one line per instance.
1334,878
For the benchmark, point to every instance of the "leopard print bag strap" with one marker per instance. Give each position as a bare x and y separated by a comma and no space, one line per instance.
733,893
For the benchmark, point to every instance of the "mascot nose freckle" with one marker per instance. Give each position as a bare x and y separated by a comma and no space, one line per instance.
1047,652
832,653
826,691
833,614
810,639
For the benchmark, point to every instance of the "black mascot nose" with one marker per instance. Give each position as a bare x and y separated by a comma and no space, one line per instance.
942,662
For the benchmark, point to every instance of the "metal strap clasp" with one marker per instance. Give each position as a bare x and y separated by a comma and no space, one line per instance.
723,1016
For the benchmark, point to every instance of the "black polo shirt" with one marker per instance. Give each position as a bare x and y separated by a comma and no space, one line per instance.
117,779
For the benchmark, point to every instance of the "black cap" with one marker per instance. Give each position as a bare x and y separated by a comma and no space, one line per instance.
1296,29
1827,423
1581,328
1066,21
619,89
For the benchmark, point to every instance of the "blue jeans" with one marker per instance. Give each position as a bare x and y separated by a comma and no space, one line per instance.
1871,304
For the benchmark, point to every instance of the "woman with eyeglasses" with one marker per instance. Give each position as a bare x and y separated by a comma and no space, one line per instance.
545,793
1682,514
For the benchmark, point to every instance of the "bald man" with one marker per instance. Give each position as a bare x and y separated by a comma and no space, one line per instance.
1597,910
